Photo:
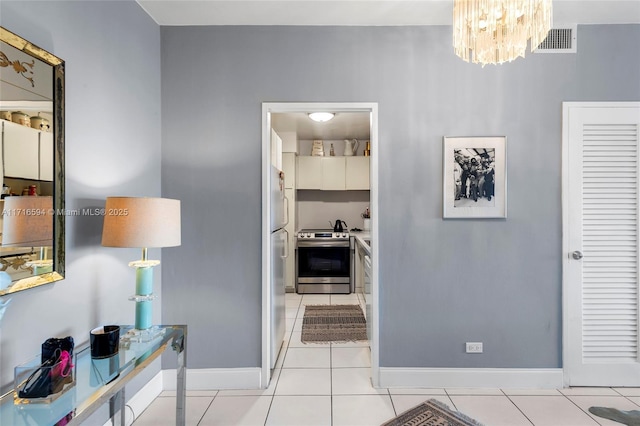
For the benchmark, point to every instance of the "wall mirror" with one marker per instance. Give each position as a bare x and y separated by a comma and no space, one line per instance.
32,250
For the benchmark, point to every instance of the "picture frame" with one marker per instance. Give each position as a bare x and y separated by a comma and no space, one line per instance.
474,177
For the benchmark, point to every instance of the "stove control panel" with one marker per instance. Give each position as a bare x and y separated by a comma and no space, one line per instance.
308,235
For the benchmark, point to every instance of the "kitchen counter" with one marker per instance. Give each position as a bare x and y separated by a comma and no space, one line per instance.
363,238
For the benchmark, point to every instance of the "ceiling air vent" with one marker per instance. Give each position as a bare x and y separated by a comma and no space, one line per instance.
559,40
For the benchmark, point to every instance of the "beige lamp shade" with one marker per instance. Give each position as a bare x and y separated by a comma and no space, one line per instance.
141,222
27,221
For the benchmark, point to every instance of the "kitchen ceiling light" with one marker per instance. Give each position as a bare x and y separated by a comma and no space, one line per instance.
497,31
321,116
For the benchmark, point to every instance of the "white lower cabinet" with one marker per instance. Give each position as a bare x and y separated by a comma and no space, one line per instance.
362,265
359,268
368,297
290,262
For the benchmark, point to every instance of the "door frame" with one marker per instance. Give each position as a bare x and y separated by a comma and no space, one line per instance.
568,302
306,107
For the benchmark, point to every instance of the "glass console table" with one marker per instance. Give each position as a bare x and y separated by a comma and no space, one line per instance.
90,392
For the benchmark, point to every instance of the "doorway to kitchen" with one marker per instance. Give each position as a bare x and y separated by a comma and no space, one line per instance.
272,183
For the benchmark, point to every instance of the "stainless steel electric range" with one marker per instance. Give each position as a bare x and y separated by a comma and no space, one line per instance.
324,262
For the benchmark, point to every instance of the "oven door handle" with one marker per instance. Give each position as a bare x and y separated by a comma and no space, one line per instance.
323,244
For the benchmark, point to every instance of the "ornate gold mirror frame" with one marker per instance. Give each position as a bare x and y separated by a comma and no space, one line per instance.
58,216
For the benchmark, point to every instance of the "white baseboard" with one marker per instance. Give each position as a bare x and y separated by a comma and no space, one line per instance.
503,378
215,378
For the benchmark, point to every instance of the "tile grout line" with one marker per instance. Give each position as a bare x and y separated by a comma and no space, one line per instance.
395,412
284,355
331,376
331,385
451,399
580,408
518,408
208,407
275,388
627,397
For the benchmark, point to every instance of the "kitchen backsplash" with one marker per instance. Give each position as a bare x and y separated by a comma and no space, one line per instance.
316,209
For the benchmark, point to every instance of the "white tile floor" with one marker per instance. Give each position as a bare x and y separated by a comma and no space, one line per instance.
329,385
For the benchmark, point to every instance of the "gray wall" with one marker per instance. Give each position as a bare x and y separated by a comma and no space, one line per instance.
442,282
112,54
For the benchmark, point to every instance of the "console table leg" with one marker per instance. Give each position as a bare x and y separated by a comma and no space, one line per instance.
117,402
123,408
181,384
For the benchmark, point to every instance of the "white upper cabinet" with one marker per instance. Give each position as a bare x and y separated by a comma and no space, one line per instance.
20,144
333,173
289,169
357,173
309,172
290,142
28,153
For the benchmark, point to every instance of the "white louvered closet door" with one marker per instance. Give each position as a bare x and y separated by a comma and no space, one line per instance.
601,240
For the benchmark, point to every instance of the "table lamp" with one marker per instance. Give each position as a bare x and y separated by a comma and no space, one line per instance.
142,223
28,222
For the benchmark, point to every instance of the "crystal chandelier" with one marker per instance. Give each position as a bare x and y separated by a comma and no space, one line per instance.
497,31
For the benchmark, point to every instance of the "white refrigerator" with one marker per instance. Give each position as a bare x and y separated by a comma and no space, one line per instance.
279,253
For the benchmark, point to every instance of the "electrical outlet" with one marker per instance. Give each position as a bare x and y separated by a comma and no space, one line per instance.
474,347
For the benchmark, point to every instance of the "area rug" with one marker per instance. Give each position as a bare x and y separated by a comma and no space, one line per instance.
431,413
333,323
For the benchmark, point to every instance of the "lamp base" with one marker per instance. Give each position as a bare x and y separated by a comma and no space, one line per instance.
140,336
41,266
144,293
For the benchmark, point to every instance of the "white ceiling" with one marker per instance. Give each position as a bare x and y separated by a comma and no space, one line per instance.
355,13
345,125
362,12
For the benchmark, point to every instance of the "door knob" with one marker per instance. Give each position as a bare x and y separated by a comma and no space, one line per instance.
577,255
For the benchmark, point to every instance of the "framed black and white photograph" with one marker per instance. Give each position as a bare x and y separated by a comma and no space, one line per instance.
475,177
